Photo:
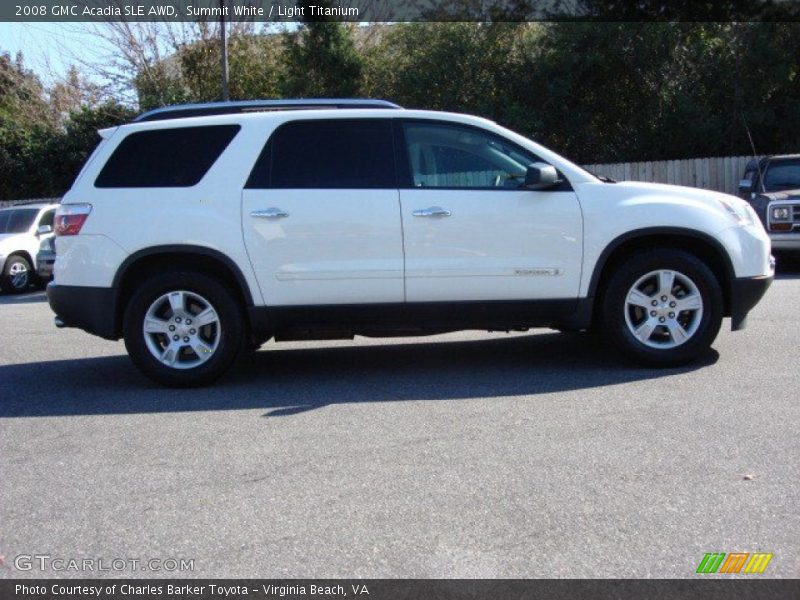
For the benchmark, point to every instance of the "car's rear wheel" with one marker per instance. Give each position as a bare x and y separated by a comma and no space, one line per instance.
662,308
17,274
183,329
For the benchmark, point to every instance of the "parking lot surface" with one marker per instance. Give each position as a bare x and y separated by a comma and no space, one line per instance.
461,455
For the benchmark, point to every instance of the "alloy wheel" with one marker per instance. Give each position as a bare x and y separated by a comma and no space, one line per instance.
663,309
182,329
19,275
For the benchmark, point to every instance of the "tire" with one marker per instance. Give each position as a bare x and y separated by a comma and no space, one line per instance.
662,334
172,305
17,275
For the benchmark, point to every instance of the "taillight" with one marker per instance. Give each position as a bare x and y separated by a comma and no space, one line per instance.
71,217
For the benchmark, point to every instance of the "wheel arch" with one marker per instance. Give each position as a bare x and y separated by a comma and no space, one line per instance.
209,260
24,254
702,245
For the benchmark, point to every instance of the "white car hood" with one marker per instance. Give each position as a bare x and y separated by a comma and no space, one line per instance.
638,188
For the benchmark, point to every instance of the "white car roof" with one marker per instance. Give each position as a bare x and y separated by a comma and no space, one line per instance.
37,205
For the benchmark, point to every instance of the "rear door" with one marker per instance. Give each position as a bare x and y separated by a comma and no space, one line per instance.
472,232
321,214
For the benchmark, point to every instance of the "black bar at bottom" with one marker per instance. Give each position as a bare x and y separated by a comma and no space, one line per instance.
744,587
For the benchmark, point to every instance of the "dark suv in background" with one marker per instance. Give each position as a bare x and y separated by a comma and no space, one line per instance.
772,186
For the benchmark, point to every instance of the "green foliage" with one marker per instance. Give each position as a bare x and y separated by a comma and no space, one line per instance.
320,60
596,92
63,153
605,92
41,160
193,73
445,66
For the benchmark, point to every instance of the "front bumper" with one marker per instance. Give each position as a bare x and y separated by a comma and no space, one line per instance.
785,241
92,309
44,268
745,294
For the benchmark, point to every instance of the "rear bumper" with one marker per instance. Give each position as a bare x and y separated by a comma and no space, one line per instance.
745,294
92,309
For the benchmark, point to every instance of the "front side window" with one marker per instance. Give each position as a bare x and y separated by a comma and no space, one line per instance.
782,176
327,155
178,157
451,156
17,220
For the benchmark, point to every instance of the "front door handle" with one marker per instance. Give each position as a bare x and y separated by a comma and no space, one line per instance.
270,213
433,211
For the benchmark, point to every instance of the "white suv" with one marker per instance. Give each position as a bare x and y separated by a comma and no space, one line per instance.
199,231
22,230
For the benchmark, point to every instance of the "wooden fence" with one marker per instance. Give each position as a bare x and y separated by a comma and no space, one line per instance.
717,173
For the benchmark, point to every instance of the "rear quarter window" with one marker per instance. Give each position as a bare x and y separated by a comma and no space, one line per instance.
178,157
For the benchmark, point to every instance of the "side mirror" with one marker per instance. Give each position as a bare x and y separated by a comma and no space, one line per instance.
745,185
540,176
44,229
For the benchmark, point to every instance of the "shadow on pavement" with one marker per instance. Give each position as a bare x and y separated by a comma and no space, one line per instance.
287,382
26,298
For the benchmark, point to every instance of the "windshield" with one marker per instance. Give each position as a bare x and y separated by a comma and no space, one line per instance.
17,220
782,176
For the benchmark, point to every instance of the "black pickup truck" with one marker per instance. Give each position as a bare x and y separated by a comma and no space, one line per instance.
772,186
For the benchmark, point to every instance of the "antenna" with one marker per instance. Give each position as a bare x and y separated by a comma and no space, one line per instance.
755,155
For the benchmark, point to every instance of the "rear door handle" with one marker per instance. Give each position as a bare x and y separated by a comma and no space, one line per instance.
269,213
433,211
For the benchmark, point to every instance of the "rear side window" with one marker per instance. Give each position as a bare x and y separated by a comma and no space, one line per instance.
327,154
17,220
177,157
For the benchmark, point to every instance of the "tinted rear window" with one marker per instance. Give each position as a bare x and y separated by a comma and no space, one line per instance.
165,157
327,154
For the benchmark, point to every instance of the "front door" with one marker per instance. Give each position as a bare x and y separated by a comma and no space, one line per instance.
471,232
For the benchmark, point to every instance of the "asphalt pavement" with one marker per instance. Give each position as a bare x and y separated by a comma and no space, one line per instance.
461,455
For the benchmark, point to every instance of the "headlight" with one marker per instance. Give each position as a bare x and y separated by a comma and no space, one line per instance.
781,213
741,212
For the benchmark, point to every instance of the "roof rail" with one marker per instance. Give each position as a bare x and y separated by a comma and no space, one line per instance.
181,111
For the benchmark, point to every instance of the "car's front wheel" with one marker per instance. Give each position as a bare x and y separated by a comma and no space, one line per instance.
183,329
662,307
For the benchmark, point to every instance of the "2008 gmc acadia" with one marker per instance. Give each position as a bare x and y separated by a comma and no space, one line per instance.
196,232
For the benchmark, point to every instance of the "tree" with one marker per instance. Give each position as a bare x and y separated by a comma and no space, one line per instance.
320,60
61,156
71,94
446,66
22,95
254,68
24,118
